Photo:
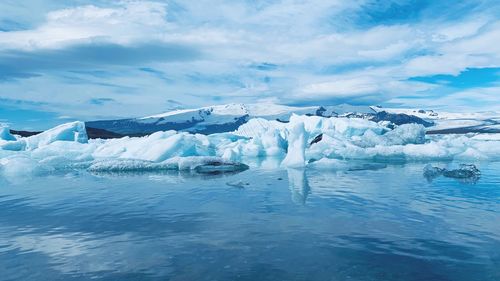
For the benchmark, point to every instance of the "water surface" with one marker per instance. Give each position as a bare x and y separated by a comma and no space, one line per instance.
374,222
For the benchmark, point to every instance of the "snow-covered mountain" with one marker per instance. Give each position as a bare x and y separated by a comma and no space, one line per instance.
229,117
452,122
206,120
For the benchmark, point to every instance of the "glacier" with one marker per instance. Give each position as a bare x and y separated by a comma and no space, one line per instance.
301,142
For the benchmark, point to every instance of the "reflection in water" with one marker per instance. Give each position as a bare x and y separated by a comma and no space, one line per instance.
376,224
367,166
299,186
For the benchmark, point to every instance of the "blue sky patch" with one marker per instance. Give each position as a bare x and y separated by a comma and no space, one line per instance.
470,78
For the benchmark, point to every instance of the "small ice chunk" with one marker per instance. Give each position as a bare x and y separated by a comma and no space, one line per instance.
463,172
238,184
432,172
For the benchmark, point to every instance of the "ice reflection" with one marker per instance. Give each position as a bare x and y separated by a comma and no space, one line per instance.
299,185
298,179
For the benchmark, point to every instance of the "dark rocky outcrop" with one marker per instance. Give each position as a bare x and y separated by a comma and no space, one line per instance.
24,134
317,139
399,119
94,133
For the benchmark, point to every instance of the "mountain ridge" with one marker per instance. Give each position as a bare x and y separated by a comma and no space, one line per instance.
228,117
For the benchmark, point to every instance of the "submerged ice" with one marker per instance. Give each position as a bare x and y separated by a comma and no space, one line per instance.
304,140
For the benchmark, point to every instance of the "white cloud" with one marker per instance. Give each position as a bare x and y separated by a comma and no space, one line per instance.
473,48
450,32
342,88
357,85
130,22
319,53
487,98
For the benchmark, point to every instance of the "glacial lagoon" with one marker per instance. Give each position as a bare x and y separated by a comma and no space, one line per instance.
370,221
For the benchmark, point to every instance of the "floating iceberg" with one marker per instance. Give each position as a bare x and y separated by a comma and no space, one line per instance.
467,172
301,142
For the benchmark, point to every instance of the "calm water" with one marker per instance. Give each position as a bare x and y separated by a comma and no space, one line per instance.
373,223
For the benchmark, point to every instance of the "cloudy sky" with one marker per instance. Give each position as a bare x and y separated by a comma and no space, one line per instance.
94,59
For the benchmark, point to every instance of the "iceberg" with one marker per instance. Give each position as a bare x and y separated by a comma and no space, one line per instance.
74,131
301,142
